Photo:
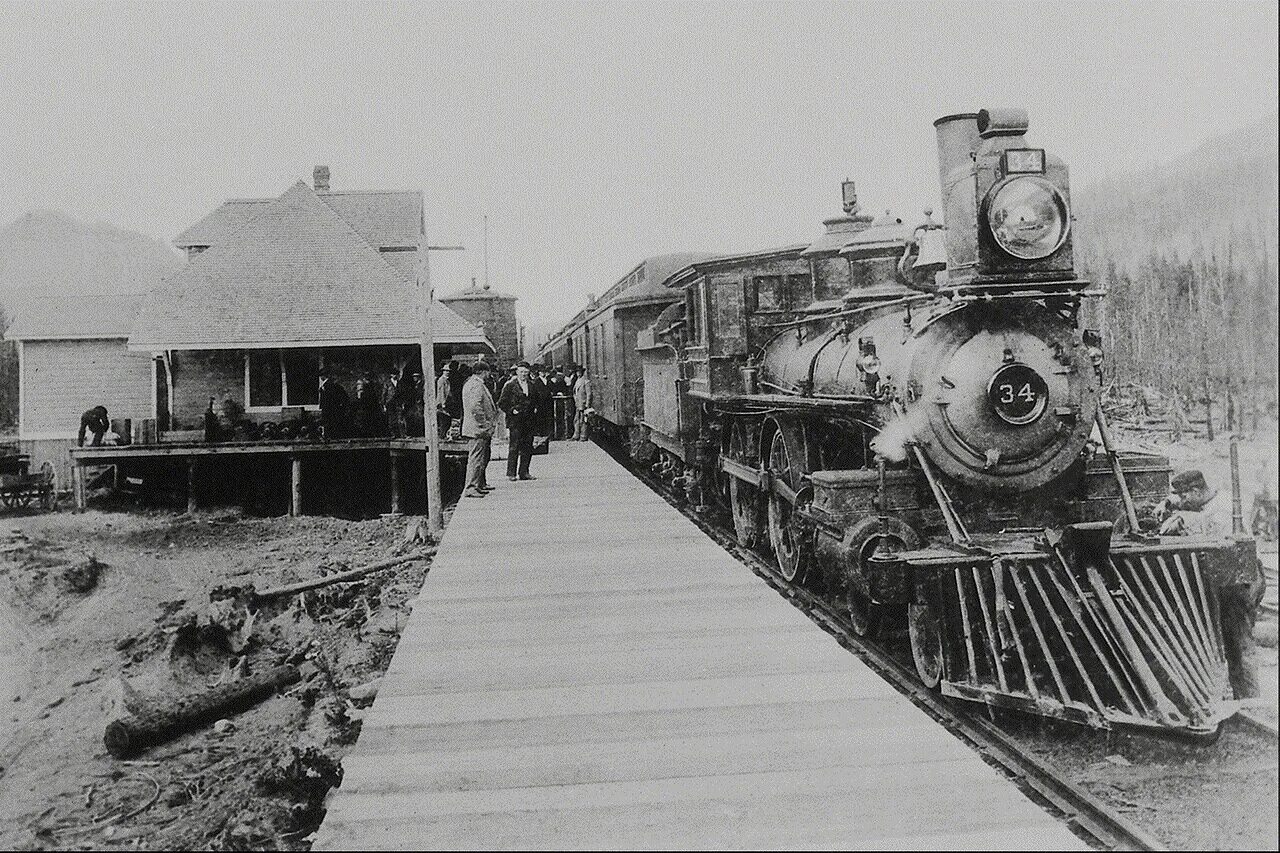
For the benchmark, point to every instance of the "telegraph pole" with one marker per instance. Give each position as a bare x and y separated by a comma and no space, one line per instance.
435,511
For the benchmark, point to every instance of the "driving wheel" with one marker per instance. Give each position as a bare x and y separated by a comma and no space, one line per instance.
787,546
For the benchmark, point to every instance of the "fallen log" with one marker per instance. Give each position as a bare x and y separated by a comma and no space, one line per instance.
156,723
350,575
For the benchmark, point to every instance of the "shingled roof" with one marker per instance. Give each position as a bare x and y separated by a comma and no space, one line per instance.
385,219
294,273
71,318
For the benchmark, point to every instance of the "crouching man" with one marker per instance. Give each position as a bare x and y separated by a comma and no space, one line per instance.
94,420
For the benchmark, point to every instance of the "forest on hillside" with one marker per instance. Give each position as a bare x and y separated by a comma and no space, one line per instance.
1187,254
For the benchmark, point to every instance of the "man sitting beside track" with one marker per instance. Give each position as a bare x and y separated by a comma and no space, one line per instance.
479,416
1195,509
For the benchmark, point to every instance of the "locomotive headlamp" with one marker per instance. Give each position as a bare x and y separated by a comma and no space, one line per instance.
1017,394
1028,217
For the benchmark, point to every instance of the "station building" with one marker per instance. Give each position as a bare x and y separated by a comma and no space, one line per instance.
273,291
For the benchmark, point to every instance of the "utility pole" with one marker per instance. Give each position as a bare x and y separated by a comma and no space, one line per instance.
435,511
486,253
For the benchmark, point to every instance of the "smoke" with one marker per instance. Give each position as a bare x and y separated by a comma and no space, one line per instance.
891,443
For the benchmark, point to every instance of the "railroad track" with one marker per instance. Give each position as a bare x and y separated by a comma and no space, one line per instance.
1089,817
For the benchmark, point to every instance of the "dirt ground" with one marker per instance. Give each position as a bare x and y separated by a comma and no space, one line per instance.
107,612
1220,796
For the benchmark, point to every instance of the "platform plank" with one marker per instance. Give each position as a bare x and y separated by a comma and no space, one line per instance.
585,669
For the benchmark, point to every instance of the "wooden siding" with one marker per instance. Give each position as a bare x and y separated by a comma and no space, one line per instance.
61,379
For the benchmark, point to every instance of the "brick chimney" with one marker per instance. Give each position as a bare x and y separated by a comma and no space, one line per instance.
320,178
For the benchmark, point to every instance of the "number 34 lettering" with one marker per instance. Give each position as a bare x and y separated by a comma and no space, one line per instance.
1008,395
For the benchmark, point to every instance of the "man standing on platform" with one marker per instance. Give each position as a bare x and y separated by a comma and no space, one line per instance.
581,402
334,404
519,403
479,416
561,404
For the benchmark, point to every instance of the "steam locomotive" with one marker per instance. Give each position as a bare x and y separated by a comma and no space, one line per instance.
908,417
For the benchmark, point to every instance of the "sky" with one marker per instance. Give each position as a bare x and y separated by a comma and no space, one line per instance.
593,134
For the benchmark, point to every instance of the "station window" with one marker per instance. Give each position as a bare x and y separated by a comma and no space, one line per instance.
275,378
301,378
264,385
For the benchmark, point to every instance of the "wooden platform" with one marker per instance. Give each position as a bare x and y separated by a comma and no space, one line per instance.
585,669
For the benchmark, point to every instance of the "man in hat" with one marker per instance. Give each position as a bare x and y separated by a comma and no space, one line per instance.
561,404
1196,509
334,404
519,402
479,416
582,400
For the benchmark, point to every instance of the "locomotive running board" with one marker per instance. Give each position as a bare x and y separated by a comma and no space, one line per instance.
1133,638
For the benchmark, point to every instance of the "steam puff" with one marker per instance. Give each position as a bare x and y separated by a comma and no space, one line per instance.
892,441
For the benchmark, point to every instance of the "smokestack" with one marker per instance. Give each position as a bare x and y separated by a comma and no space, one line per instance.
957,140
320,178
957,137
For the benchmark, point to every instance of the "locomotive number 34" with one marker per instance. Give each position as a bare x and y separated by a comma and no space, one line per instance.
1017,394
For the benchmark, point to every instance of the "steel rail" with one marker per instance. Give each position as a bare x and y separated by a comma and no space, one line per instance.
1086,815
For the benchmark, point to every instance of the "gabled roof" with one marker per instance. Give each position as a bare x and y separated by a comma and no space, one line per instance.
384,219
68,318
294,274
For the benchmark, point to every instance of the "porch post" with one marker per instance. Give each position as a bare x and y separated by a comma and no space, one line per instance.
395,484
191,485
295,482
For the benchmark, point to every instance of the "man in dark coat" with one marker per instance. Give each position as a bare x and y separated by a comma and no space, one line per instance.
541,402
334,404
94,420
561,404
519,402
369,421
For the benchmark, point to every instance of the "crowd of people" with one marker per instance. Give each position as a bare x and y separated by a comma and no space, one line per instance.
531,403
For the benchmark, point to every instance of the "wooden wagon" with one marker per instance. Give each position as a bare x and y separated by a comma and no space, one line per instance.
19,487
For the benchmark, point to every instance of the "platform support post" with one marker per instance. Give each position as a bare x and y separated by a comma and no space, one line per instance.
295,485
191,486
77,487
395,485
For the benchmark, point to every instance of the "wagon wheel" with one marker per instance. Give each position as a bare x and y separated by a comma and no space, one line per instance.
788,548
48,486
925,630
